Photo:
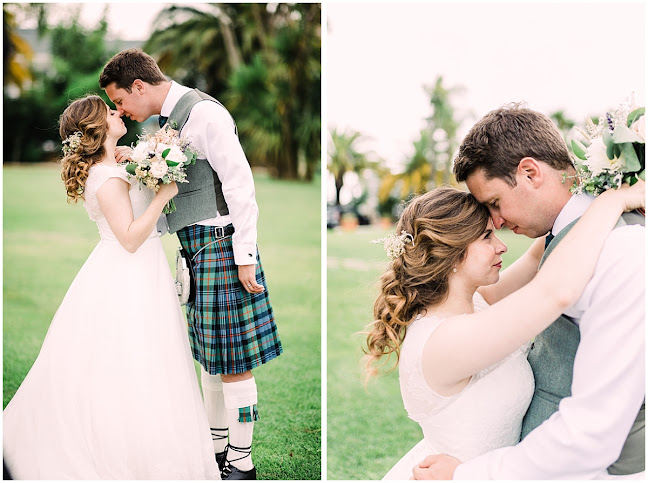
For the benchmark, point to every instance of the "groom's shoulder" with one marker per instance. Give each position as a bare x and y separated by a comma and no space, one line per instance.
212,110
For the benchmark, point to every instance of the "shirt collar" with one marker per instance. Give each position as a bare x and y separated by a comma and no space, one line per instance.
575,207
173,96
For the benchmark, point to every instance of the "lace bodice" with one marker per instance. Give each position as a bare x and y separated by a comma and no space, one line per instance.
140,196
485,415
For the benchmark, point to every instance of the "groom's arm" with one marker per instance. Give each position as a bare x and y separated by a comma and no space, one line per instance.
214,135
587,434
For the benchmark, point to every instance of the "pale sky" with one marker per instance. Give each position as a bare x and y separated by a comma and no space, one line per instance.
582,58
126,20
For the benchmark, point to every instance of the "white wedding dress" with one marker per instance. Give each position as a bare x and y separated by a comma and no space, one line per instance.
113,393
487,414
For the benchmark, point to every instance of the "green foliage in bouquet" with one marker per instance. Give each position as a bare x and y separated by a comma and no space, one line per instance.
162,158
615,153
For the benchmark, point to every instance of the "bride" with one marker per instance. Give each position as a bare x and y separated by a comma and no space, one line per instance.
113,393
460,332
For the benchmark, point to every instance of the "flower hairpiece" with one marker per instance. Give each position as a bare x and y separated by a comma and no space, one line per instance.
71,143
395,244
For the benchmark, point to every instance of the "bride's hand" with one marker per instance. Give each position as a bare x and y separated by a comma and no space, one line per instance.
436,467
167,191
123,153
634,196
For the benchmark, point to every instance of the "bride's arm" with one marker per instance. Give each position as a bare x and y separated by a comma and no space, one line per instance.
463,345
517,275
115,204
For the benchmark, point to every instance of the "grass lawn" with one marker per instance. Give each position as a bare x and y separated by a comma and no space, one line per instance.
46,241
368,430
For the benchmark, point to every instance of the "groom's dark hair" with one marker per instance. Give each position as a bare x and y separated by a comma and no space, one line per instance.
499,141
128,65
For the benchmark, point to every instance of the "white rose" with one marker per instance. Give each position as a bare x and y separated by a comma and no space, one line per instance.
160,147
159,169
176,155
140,152
640,127
597,159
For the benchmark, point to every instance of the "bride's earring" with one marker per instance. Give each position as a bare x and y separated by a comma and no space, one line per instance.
454,270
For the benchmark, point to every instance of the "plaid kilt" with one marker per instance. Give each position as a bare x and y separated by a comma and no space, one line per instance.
230,330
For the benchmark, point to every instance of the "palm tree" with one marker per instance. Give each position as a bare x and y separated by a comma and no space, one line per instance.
17,54
417,176
263,62
277,94
429,166
344,157
443,126
198,46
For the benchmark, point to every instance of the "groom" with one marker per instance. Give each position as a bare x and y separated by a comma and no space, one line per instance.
231,322
587,413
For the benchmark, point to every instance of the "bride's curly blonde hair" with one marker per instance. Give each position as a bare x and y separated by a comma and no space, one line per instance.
88,118
442,222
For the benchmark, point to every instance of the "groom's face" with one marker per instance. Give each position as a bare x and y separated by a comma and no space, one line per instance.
130,104
510,206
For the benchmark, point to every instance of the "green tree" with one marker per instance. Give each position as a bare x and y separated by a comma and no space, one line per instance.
431,163
563,122
203,46
344,156
443,125
418,175
263,62
17,54
77,58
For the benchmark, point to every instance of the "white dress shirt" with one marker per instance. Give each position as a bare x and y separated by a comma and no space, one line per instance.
210,128
587,433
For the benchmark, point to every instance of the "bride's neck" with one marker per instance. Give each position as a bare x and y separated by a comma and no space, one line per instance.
458,302
110,147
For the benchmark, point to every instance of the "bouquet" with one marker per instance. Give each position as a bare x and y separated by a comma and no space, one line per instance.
615,152
162,158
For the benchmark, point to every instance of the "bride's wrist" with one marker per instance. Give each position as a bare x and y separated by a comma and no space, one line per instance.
614,198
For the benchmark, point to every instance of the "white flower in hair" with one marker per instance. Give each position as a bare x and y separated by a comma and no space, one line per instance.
395,244
71,143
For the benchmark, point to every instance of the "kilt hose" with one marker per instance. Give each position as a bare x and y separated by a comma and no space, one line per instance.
230,330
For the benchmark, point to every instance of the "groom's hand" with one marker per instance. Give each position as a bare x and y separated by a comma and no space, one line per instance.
247,277
123,154
436,467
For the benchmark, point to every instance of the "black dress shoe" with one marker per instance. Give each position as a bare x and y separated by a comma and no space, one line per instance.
231,472
220,459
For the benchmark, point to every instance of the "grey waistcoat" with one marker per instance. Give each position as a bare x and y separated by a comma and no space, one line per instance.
202,197
552,361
